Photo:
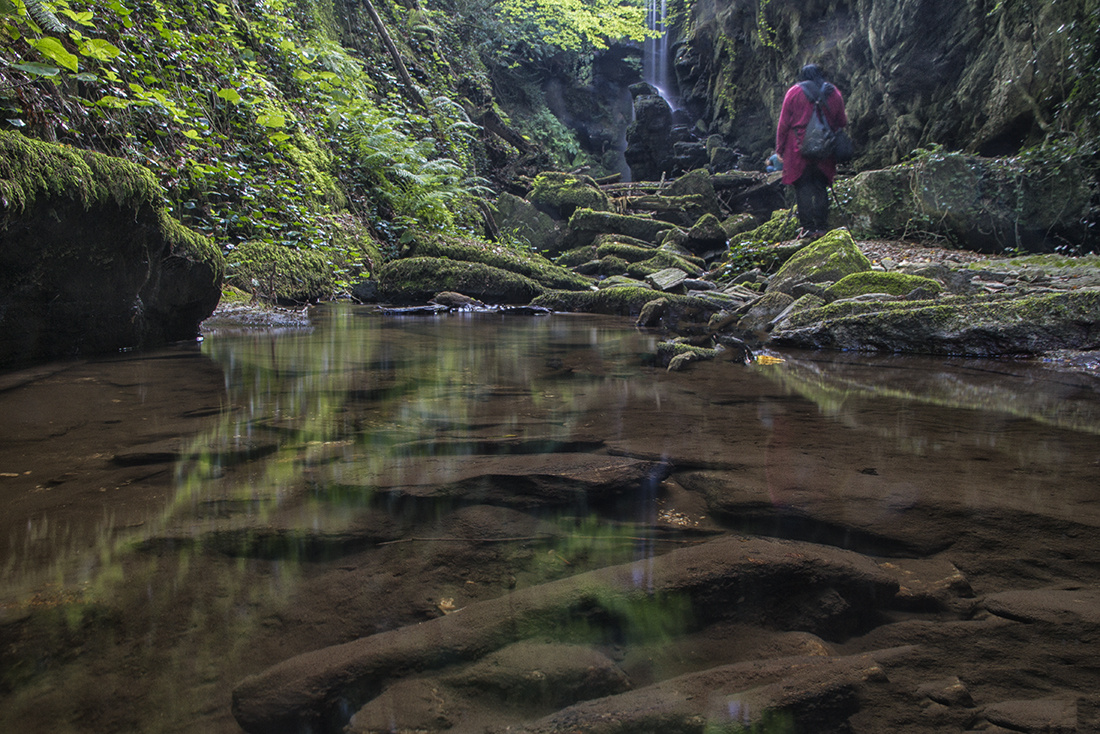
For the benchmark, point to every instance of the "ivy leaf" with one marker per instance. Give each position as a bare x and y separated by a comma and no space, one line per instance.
86,77
84,18
230,95
272,119
97,48
278,137
37,69
193,134
52,49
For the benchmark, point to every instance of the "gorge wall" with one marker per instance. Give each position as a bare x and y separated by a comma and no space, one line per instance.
985,76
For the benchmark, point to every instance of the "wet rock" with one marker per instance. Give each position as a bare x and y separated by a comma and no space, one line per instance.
544,674
764,311
815,508
974,327
780,583
418,279
706,235
1078,608
666,280
1044,715
947,692
894,284
652,312
540,479
649,137
930,585
808,694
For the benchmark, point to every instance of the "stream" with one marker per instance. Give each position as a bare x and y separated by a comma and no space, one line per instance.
177,521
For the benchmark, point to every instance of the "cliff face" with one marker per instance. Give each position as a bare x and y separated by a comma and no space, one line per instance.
984,76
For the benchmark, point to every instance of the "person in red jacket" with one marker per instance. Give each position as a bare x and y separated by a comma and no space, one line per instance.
811,178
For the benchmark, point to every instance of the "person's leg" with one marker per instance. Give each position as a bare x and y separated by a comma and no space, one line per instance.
818,199
804,200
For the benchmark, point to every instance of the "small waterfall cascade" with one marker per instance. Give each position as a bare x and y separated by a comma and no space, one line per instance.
655,62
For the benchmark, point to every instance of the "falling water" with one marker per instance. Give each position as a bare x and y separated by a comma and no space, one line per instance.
655,67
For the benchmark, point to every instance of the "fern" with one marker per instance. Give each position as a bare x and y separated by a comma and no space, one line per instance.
44,16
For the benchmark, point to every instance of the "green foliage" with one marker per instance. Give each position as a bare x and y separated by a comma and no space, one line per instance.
572,25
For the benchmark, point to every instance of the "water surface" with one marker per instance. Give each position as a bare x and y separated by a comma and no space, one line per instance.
177,521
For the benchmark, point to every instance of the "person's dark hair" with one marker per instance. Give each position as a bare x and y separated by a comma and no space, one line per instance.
811,73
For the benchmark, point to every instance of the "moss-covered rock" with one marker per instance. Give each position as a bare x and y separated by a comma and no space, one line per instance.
563,193
91,260
979,326
781,227
417,279
736,224
872,281
280,274
706,235
976,203
630,253
828,259
521,219
528,264
603,222
662,260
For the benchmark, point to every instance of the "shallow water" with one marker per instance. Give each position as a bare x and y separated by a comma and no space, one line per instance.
180,520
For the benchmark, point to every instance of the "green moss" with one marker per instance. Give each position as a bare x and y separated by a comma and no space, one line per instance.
191,244
782,226
417,279
30,169
894,284
662,261
829,258
642,228
567,192
667,350
528,264
629,253
281,274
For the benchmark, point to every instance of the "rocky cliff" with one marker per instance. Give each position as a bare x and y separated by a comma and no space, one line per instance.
985,76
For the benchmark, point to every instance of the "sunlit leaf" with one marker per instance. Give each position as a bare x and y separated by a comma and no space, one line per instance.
83,18
278,137
272,119
230,95
52,49
97,48
193,134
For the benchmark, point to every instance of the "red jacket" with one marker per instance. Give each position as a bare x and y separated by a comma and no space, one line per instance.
793,118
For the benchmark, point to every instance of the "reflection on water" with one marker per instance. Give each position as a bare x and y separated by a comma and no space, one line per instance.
178,521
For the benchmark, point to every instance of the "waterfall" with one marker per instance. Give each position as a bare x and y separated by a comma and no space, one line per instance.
655,68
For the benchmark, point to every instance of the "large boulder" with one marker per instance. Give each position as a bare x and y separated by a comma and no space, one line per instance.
90,260
649,137
972,326
417,279
977,203
520,218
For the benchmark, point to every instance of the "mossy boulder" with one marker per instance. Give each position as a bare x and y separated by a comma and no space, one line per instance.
982,204
828,259
873,281
706,235
561,194
417,279
595,222
662,260
978,326
781,227
736,224
528,264
90,260
280,274
521,219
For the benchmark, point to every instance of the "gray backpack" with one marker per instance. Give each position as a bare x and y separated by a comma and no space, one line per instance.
820,140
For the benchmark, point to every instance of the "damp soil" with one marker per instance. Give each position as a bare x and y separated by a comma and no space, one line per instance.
471,523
